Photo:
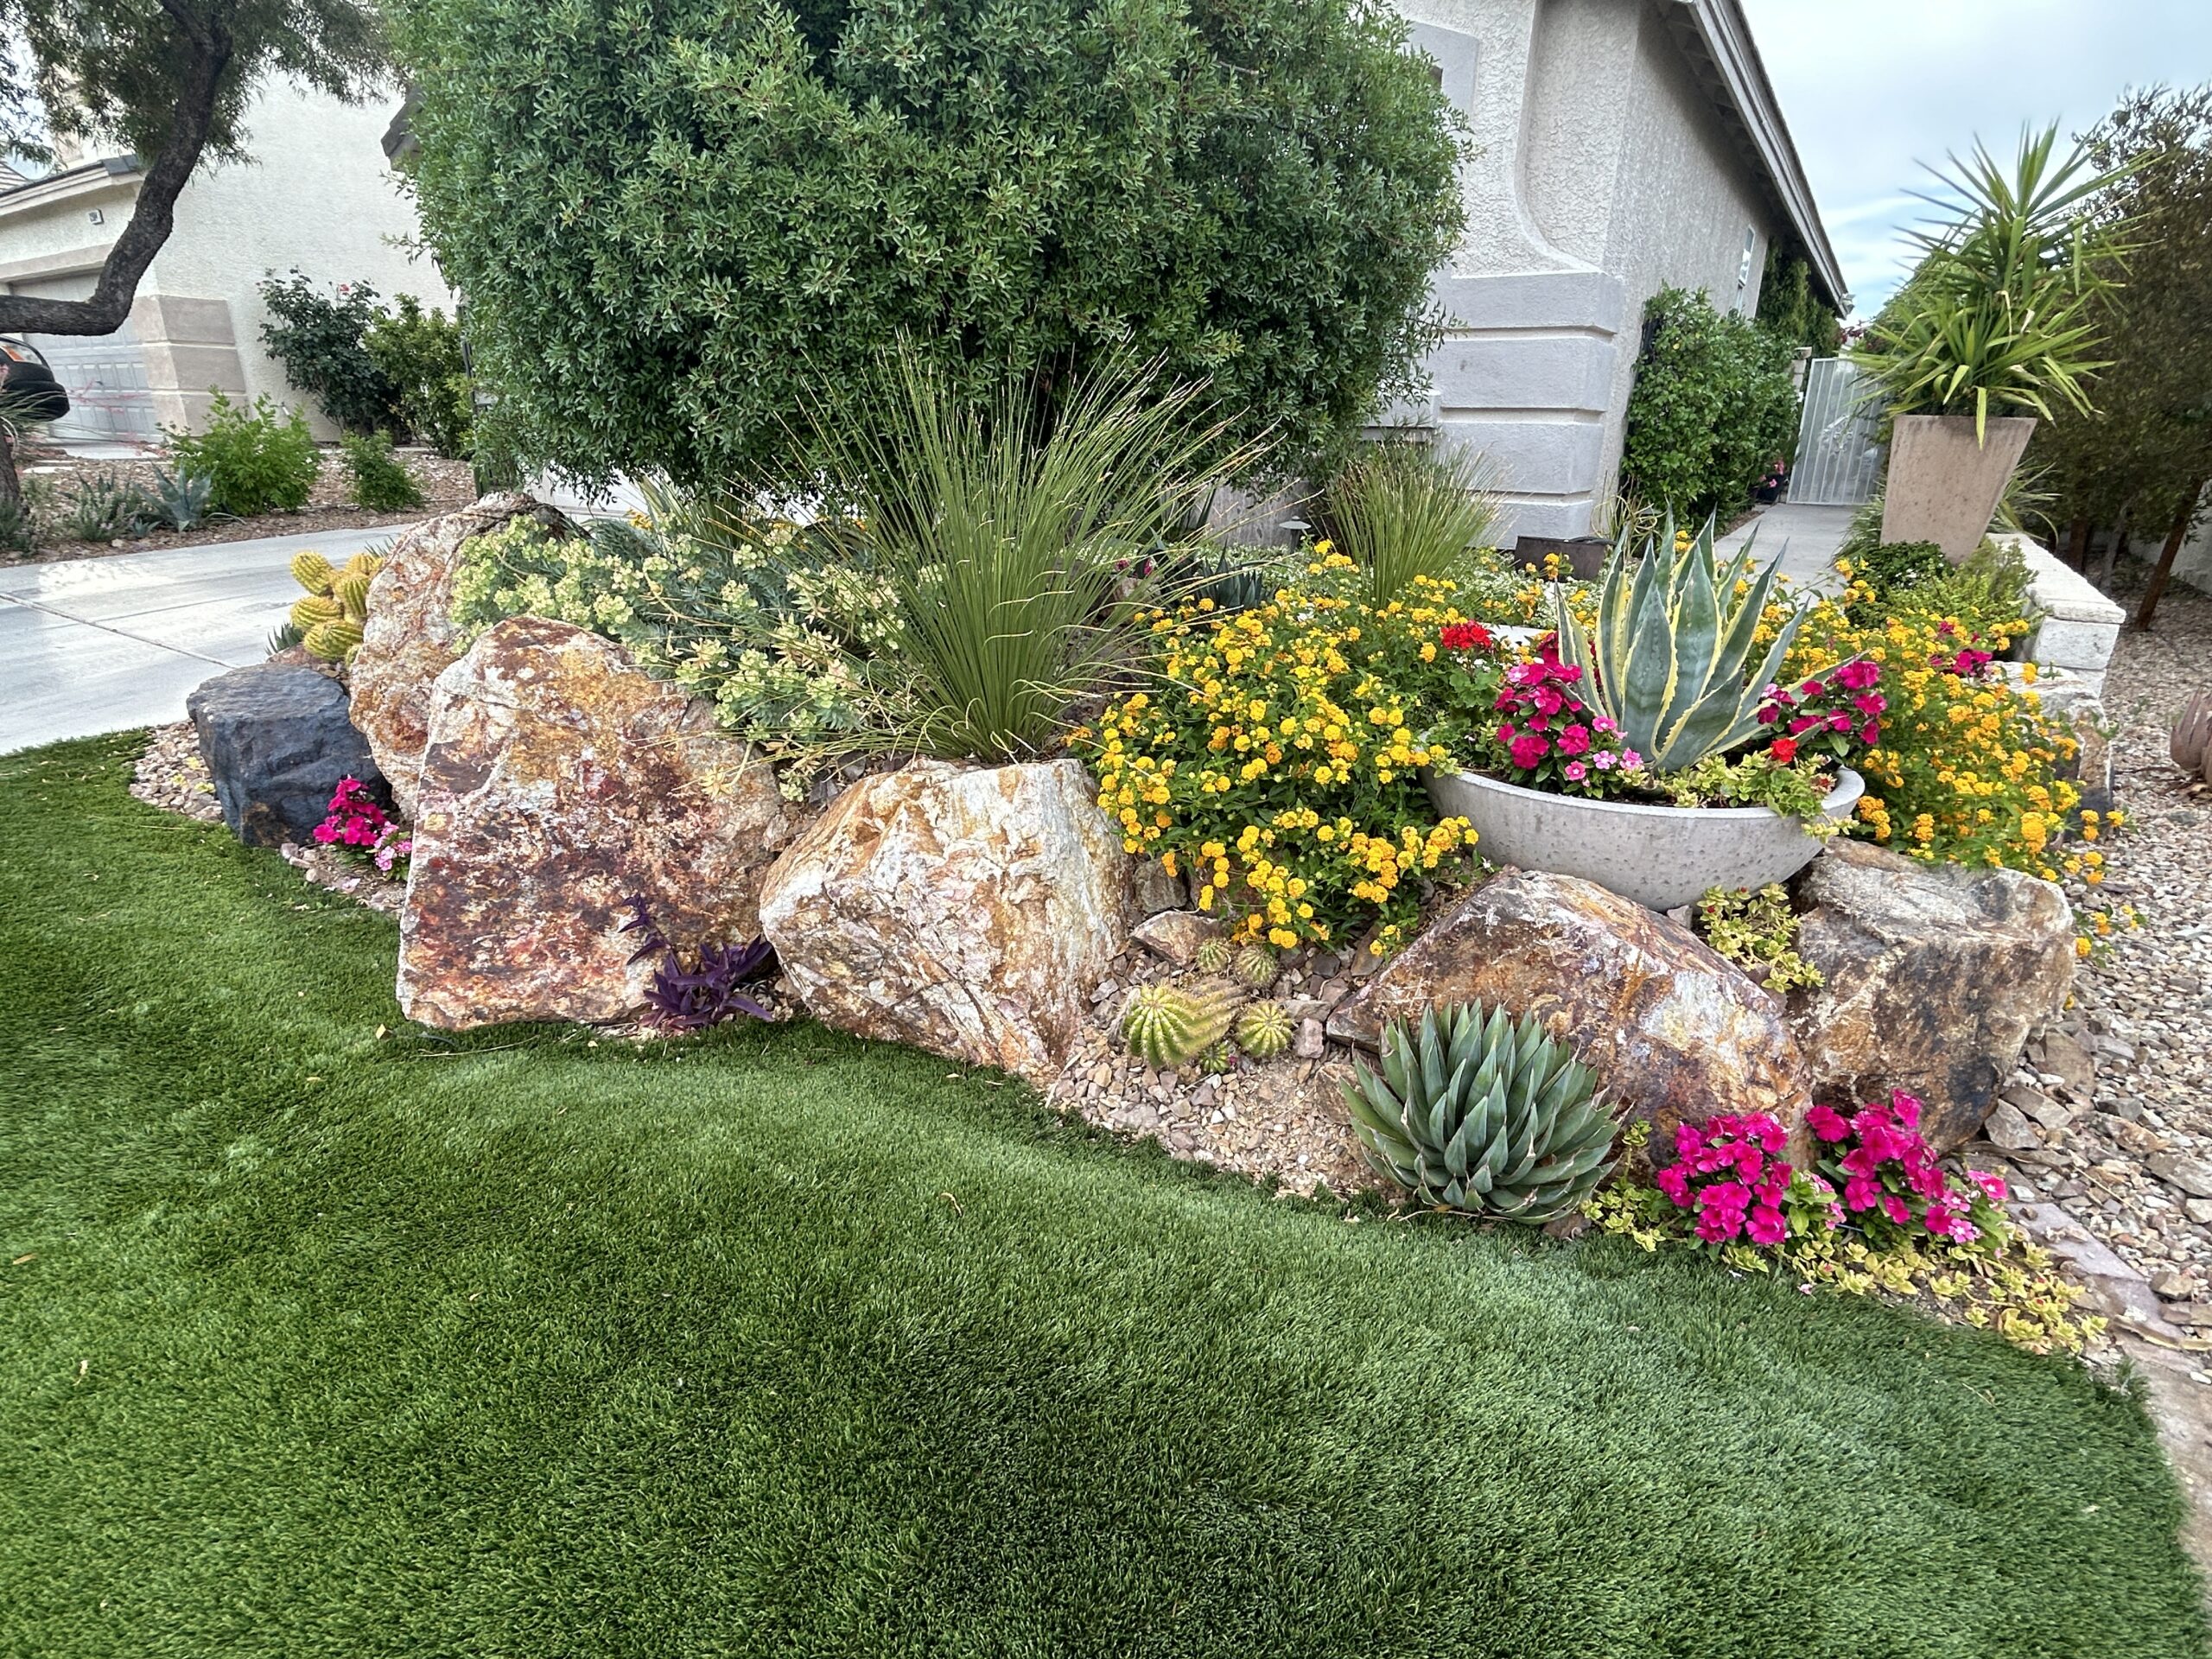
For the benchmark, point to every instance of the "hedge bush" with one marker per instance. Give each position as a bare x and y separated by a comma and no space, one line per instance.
679,227
1714,406
319,338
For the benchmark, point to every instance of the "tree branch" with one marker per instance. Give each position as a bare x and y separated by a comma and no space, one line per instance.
152,217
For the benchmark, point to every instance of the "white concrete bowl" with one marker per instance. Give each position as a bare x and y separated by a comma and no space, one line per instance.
1660,856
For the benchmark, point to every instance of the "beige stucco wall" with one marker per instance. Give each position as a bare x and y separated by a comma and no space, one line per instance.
317,194
1602,175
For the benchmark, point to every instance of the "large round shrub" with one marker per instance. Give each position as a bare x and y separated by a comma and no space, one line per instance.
679,225
1714,407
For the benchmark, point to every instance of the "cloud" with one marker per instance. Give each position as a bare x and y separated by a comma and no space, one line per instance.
1874,90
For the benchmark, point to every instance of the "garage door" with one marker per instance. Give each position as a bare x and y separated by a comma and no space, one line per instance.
105,374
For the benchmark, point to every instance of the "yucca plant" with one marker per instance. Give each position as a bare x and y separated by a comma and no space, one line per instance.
1405,510
1671,662
1014,539
1997,313
1480,1112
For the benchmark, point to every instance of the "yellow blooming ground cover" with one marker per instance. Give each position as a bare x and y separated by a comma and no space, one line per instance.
1276,759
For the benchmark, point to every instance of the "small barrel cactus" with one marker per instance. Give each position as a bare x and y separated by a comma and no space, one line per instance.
330,618
1263,1031
1214,956
1255,965
1486,1115
1167,1027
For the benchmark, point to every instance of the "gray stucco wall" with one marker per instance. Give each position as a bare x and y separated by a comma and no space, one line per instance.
1601,175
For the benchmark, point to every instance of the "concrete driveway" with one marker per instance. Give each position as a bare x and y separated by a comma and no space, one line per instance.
102,645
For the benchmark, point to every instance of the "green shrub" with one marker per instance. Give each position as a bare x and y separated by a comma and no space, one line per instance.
1712,409
320,339
419,352
254,461
1789,308
375,478
685,228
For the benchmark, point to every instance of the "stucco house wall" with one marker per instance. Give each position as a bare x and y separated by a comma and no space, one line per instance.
1607,168
316,194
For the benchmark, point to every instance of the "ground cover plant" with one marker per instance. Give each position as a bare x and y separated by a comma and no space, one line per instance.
316,1339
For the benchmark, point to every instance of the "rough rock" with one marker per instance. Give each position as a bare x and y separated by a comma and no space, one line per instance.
1175,935
2008,1126
277,742
1156,890
1675,1031
557,780
2191,1177
968,913
409,639
1935,974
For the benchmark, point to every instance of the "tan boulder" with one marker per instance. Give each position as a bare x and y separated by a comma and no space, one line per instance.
409,639
969,913
1935,975
557,779
1676,1031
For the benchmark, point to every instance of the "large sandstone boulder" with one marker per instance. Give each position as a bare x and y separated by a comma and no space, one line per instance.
1935,975
968,913
278,742
558,780
1675,1031
409,639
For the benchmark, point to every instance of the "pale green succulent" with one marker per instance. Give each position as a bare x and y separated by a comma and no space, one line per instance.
1671,662
1486,1115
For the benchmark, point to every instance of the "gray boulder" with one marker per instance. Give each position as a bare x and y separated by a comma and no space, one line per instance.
277,742
1935,974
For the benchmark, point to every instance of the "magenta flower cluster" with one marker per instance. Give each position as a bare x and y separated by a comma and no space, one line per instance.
356,825
1966,662
1729,1171
1833,713
1548,733
1888,1177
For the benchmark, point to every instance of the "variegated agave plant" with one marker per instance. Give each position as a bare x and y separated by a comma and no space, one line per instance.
1672,660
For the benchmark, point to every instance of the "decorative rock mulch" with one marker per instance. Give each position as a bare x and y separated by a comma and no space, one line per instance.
1284,1121
171,774
2110,1123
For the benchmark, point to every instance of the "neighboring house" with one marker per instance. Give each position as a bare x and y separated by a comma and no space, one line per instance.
317,194
1625,146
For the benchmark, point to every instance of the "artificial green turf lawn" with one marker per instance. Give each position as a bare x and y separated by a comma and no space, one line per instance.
777,1343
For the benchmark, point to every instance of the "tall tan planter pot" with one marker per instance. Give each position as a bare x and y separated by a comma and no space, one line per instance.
1943,486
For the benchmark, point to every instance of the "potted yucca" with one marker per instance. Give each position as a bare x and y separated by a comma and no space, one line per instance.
1656,754
1994,322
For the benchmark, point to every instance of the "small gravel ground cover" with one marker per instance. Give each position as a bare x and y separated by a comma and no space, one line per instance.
319,1334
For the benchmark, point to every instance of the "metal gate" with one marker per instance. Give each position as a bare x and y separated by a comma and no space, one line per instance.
1838,463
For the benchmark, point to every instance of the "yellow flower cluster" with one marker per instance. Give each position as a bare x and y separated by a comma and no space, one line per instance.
1967,768
1275,764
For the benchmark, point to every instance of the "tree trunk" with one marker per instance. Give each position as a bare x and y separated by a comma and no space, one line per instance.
2155,590
2077,542
2114,548
12,487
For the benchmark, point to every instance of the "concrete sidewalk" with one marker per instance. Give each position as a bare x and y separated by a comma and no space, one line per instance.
1806,537
102,645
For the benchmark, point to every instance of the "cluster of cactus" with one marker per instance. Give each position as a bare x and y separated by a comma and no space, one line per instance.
1252,964
2190,741
1168,1027
1483,1114
329,618
1213,956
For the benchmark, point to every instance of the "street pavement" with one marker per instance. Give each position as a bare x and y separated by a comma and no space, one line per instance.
102,645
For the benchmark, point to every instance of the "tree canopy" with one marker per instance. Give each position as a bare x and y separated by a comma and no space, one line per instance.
682,228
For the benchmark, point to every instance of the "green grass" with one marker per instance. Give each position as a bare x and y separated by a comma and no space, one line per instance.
777,1343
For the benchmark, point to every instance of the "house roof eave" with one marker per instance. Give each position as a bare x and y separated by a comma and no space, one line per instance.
1717,38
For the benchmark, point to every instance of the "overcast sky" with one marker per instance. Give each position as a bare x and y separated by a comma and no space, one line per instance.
1872,88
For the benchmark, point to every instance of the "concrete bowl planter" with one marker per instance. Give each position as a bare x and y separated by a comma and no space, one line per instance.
1660,856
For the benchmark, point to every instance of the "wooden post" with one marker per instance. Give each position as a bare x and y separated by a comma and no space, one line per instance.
2077,542
2155,590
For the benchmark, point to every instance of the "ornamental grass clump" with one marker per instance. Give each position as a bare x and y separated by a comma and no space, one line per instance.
1403,509
1483,1113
